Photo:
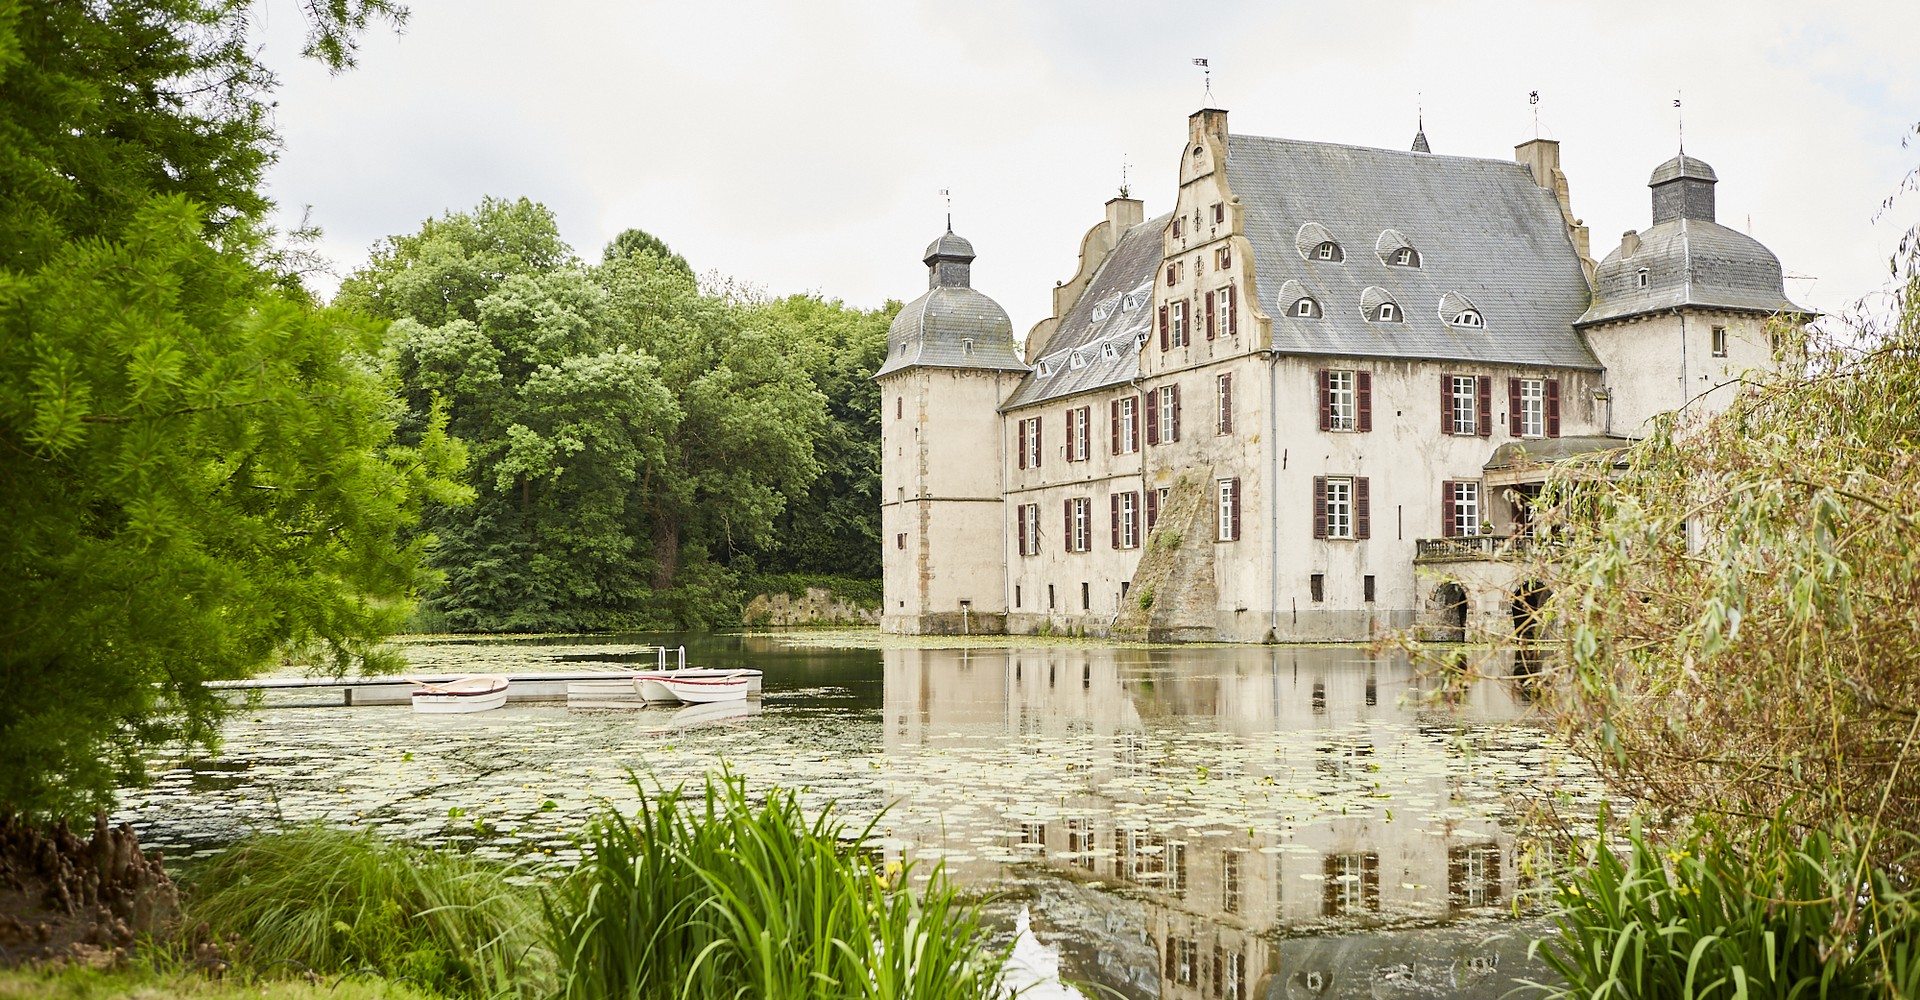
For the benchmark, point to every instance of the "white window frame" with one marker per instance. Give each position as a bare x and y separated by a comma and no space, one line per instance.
1166,414
1339,501
1327,250
1350,874
1474,884
1030,513
1533,407
1079,433
1223,503
1466,507
1082,524
1343,406
1129,425
1469,318
1177,324
1387,313
1466,395
1719,342
1305,307
1030,440
1129,520
1223,403
1403,257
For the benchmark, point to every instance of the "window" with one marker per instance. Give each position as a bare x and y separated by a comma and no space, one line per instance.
1465,404
1086,597
1228,495
1079,524
1231,968
1223,258
1473,876
1183,960
1468,318
1640,277
1049,597
1125,510
1230,861
1163,415
1317,587
1387,312
1156,499
1719,341
1178,334
1076,361
1346,400
1221,301
1178,228
1223,398
1329,250
1080,842
1366,594
1460,508
1027,516
1125,418
1305,308
899,407
1219,213
1029,443
1079,433
1406,257
1353,884
1340,507
1532,408
900,540
1016,592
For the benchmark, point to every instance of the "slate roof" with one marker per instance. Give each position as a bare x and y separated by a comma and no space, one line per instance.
1689,262
1483,229
953,325
1116,310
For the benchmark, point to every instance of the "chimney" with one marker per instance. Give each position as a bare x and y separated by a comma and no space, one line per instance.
1629,243
1124,214
1542,158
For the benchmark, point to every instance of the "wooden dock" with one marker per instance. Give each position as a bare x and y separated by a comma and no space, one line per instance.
396,690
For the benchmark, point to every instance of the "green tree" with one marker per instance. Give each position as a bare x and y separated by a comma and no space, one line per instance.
199,469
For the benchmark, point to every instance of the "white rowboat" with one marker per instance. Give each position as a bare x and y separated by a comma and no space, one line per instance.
477,693
702,690
653,685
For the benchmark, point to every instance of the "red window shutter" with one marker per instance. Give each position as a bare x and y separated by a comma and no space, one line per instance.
1514,426
1153,416
1486,405
1446,509
1176,413
1226,257
1114,416
1069,437
1133,437
1210,315
1163,323
1153,508
1319,506
1021,440
1020,513
1176,232
1553,407
1326,400
1113,500
1446,403
1363,399
1068,534
1233,309
1362,517
1233,513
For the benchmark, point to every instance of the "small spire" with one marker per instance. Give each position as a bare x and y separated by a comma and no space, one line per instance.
1680,123
1420,129
944,193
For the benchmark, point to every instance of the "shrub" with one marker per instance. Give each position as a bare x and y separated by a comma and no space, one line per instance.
706,895
1772,915
337,901
1146,597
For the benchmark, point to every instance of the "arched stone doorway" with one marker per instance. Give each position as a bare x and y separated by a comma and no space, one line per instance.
1450,599
1529,621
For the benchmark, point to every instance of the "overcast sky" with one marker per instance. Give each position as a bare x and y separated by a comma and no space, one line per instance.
800,147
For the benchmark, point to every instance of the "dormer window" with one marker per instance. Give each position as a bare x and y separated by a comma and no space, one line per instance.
1329,250
1044,369
1640,277
966,345
1386,312
1305,308
1469,317
1076,361
1110,350
1134,300
1406,257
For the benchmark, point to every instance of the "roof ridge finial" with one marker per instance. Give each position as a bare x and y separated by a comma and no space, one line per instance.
1680,123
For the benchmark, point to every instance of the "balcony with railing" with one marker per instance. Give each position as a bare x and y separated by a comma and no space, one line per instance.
1472,547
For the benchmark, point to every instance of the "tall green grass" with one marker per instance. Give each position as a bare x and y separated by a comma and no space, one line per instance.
705,894
1773,915
335,902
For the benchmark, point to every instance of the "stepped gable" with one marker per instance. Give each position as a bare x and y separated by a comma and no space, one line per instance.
1116,309
1689,260
953,325
1482,228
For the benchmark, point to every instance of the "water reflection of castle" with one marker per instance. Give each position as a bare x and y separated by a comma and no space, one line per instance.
1253,790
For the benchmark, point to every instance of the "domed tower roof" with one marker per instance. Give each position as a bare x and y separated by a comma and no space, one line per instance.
1686,259
953,325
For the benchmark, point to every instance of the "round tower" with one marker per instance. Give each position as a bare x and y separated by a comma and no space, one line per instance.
951,361
1681,310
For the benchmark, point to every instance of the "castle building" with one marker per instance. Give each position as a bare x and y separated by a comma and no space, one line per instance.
1308,404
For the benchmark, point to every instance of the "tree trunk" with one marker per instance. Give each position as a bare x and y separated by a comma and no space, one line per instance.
666,549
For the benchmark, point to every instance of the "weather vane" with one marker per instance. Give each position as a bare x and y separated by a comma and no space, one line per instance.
1123,175
1533,98
944,193
1680,122
1207,78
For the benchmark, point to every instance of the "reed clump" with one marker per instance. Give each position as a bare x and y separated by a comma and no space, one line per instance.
335,902
705,893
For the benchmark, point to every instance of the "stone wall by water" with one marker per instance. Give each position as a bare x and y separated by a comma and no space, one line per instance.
818,606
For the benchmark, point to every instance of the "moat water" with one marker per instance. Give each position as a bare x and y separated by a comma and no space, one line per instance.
1215,821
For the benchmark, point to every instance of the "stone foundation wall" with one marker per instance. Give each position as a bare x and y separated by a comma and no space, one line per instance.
818,606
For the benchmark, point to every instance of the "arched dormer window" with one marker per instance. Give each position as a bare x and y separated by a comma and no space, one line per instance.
1386,312
1469,318
1456,310
1304,308
1406,257
1328,250
1395,250
1377,305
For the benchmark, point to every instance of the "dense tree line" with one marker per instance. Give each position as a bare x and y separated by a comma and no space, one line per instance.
639,443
